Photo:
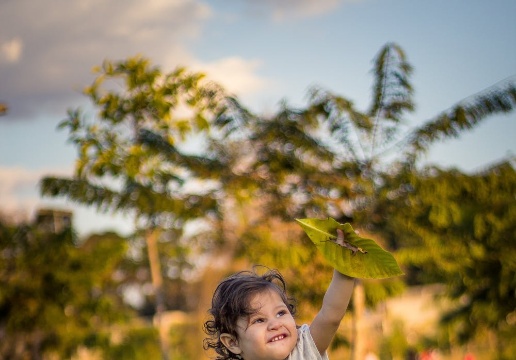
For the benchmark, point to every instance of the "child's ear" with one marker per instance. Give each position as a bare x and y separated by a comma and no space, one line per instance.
230,342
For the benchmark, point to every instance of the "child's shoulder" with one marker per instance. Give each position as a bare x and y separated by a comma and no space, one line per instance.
305,347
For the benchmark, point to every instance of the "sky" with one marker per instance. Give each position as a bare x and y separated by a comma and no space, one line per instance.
264,52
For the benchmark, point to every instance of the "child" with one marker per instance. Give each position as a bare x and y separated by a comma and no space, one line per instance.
254,319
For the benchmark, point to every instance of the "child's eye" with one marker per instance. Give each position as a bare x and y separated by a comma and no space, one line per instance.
282,312
257,320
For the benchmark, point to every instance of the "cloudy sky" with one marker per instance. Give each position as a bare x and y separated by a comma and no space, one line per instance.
263,51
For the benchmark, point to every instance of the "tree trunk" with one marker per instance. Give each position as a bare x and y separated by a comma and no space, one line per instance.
359,336
157,282
37,339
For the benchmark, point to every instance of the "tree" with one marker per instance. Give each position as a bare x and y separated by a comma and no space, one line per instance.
54,294
128,156
330,159
459,230
326,159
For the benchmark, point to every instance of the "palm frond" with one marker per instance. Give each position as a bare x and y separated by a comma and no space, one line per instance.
463,116
392,91
345,123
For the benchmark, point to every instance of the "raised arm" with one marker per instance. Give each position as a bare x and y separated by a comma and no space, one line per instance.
335,303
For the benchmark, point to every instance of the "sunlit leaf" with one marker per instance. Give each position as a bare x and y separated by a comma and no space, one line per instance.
374,263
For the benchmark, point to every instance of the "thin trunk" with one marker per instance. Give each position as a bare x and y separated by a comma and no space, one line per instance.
358,338
35,350
157,282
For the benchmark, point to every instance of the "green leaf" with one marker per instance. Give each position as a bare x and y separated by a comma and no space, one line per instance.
375,264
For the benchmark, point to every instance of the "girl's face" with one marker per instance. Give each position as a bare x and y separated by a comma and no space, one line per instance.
268,334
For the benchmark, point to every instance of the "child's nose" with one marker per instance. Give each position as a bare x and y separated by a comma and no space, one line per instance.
274,323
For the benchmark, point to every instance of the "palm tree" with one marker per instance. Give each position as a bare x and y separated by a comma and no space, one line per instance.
331,159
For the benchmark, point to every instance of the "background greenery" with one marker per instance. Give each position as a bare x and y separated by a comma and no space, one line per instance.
232,203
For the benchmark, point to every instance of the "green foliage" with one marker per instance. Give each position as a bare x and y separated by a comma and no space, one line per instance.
128,157
138,343
392,89
54,295
365,259
329,159
184,348
460,231
463,116
395,346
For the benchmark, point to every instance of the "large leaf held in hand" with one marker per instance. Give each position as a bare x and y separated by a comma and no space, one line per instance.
375,264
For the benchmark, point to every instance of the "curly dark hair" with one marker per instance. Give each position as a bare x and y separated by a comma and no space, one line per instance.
231,301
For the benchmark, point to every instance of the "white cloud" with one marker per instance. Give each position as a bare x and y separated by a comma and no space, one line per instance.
236,74
300,8
63,40
11,50
19,191
281,10
46,56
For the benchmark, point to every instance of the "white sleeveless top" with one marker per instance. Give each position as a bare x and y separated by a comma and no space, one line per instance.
305,348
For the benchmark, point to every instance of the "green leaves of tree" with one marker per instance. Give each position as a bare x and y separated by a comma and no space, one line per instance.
326,159
128,156
462,116
376,263
459,230
55,295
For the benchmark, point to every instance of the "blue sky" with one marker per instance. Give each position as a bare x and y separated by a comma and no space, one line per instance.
263,51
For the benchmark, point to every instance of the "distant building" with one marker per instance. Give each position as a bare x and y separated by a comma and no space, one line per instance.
52,220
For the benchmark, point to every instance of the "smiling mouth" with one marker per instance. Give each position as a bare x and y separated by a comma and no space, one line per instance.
277,338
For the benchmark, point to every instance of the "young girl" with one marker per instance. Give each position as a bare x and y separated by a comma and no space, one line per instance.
253,318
